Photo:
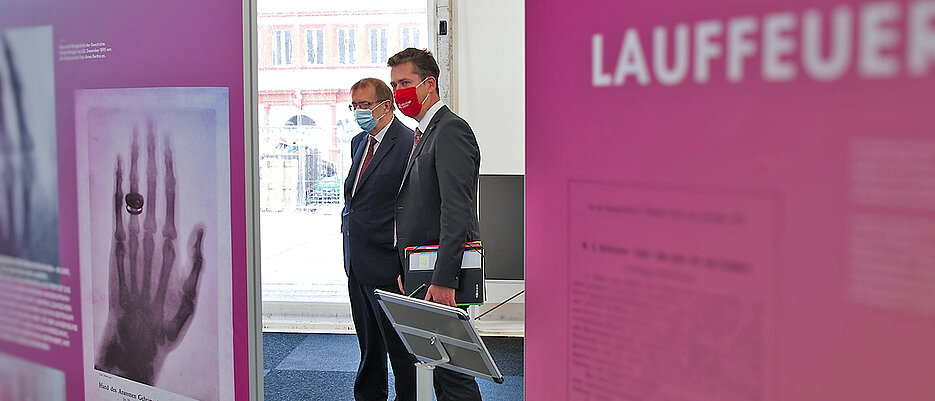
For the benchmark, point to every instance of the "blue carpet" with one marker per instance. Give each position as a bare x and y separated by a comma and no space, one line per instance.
322,367
277,346
326,352
507,353
510,390
295,385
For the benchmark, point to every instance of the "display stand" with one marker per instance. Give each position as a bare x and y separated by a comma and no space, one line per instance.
439,336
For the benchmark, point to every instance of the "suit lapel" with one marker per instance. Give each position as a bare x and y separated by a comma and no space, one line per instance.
425,136
389,140
356,160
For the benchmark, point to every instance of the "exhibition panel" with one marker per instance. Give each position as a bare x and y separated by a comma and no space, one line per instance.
730,200
123,261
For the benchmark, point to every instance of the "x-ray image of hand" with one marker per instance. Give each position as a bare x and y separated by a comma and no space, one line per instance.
17,164
143,327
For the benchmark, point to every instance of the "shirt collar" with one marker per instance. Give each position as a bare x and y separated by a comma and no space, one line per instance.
424,123
379,136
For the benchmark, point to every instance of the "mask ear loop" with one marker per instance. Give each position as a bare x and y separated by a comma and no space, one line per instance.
381,115
427,94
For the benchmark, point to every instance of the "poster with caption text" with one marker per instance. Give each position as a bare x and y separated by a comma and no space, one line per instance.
733,200
69,326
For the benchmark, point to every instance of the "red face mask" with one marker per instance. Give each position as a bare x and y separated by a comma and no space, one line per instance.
408,101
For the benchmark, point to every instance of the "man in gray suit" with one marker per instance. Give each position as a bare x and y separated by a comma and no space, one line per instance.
437,201
380,153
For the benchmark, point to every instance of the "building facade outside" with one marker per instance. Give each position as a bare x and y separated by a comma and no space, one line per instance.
309,55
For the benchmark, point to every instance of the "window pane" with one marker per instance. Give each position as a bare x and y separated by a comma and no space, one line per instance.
305,134
277,46
313,42
288,47
309,47
410,36
383,56
347,42
374,43
342,46
320,43
352,47
282,47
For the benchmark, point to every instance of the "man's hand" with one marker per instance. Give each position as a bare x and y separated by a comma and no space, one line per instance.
399,280
442,295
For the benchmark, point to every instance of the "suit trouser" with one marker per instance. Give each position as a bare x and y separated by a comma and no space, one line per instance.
454,386
377,338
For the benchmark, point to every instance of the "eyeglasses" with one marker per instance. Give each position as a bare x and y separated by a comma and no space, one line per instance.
362,105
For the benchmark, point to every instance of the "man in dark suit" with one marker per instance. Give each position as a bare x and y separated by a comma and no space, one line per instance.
437,201
380,154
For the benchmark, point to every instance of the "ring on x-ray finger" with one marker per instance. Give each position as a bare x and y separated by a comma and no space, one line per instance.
134,203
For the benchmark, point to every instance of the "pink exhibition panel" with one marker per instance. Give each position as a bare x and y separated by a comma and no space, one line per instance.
122,204
730,200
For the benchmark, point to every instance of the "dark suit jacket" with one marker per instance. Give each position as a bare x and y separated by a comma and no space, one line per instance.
367,218
437,202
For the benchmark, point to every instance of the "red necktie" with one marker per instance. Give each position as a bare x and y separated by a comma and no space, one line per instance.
371,143
415,142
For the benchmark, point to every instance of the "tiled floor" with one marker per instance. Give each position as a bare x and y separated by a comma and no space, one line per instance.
322,366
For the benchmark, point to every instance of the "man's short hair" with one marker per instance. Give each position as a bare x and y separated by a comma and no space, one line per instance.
381,90
422,60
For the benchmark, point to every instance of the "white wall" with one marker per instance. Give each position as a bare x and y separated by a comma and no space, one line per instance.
490,79
489,91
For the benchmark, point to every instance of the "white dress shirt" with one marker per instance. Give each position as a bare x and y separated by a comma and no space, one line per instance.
379,139
427,118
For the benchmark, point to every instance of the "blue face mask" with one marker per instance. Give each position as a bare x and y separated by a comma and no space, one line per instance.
365,118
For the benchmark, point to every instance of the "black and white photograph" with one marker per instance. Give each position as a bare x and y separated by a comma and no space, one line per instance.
157,215
28,166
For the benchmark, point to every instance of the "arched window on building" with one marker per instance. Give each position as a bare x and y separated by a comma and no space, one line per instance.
301,119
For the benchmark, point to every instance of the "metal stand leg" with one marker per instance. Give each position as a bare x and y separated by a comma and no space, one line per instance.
424,371
424,381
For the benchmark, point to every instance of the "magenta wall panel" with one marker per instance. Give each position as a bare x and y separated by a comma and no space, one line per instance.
730,200
84,84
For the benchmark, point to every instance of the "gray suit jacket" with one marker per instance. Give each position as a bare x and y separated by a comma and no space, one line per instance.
437,201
